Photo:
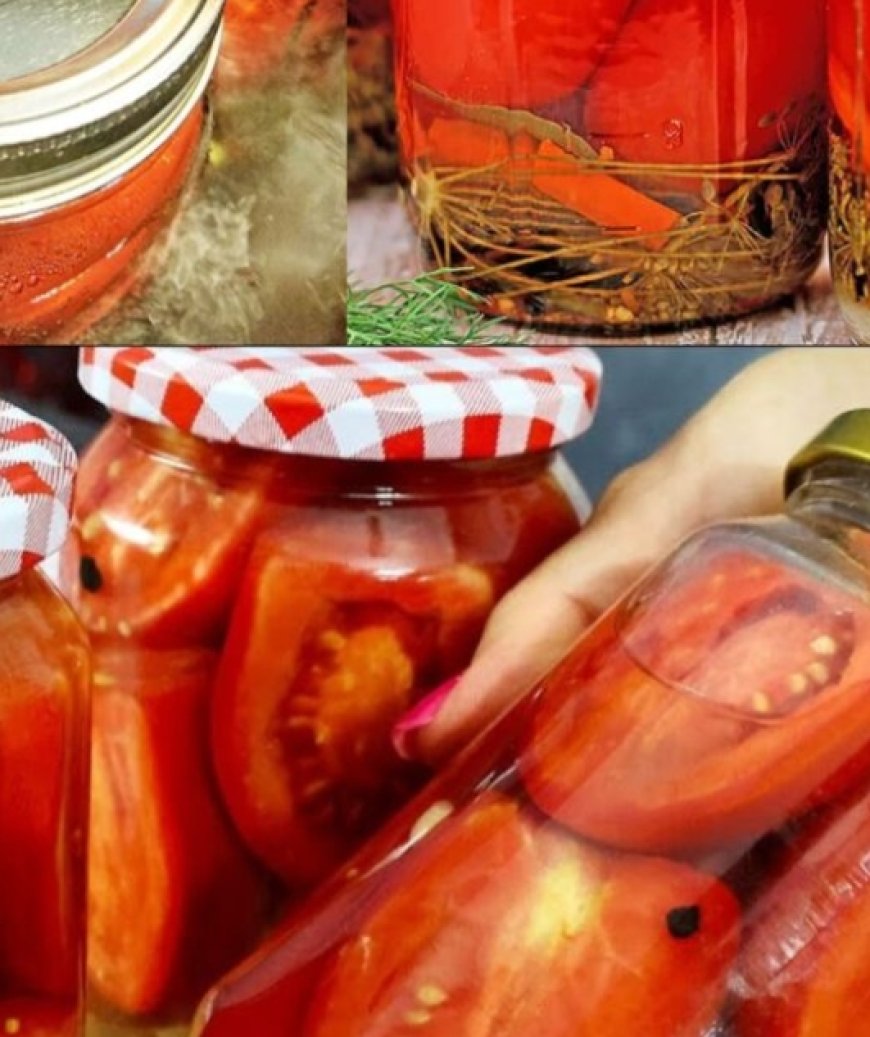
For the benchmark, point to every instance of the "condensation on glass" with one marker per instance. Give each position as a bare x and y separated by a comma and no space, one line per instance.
616,165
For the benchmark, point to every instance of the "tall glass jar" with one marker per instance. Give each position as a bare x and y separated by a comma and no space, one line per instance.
282,551
613,165
102,126
667,837
44,694
849,35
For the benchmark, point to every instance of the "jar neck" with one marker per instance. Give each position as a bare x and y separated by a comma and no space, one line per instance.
833,498
379,480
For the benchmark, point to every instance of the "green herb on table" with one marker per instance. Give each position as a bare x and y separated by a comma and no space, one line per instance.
427,310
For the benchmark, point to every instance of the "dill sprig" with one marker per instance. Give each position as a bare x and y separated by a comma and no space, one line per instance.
429,310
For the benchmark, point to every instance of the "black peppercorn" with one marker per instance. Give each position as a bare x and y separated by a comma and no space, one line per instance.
684,922
90,575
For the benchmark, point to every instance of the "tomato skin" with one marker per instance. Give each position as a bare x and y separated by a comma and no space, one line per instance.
519,54
803,970
695,82
167,545
494,928
43,754
162,856
33,1017
322,658
620,757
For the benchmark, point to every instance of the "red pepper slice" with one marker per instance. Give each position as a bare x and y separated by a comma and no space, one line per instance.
328,647
173,899
712,718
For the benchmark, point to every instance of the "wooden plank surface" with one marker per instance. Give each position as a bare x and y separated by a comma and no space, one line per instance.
382,247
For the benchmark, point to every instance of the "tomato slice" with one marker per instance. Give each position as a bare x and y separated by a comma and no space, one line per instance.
698,83
518,53
804,970
35,1017
704,720
173,899
328,647
163,546
43,754
504,928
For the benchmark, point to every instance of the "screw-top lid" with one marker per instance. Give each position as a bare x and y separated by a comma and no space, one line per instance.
847,438
90,88
366,404
37,471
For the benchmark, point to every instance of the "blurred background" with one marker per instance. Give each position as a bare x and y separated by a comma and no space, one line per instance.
648,393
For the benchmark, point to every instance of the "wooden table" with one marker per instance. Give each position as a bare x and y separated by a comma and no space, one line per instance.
382,248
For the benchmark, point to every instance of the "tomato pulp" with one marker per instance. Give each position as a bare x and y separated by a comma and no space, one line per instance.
737,696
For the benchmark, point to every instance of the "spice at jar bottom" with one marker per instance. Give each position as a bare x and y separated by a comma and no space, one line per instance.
611,181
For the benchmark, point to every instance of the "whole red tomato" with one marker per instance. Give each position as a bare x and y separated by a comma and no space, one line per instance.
518,53
698,82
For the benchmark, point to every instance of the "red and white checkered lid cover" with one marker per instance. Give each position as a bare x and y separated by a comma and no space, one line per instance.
356,403
37,472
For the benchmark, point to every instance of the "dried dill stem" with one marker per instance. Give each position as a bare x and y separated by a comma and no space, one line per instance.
429,310
743,233
850,233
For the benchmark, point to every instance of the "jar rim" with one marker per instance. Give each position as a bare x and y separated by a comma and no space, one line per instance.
62,126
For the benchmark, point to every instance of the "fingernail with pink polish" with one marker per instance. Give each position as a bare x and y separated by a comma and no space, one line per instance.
421,716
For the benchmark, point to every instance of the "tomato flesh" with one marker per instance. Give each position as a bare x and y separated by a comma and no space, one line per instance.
519,54
706,83
504,927
162,857
707,720
163,548
321,661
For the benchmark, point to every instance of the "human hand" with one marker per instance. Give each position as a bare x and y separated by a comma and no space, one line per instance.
726,462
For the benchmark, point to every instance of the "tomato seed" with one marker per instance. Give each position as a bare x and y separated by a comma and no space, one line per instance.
684,922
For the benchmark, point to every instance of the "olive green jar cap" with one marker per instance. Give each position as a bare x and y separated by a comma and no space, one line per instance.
847,438
90,88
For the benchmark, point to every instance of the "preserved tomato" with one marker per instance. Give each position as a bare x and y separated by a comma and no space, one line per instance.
265,609
667,837
616,165
44,682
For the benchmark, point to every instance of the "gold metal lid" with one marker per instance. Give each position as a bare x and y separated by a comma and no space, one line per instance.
90,88
847,438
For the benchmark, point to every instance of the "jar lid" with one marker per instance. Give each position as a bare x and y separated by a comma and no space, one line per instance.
847,438
37,470
356,403
90,88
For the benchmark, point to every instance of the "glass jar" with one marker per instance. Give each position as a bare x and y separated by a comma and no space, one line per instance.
291,550
666,837
44,686
849,35
372,147
614,165
101,128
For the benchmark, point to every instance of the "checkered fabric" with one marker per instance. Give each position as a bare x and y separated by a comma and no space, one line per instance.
37,471
366,404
